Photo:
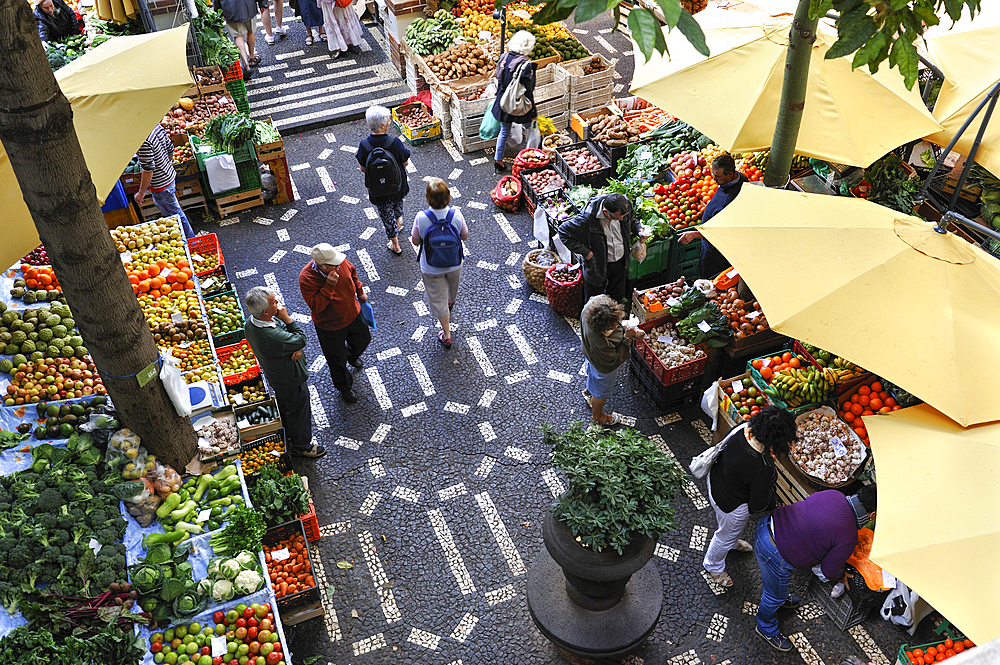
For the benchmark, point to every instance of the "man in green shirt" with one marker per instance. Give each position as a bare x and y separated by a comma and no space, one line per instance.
277,341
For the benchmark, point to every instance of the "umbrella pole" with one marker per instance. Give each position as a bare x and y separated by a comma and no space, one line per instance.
941,226
975,147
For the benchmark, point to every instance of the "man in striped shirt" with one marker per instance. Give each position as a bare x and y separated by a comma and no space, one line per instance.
156,158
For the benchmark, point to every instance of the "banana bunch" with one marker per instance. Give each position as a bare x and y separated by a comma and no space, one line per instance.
428,36
844,370
797,387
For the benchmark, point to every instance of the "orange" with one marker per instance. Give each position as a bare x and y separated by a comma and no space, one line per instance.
133,279
855,398
896,408
144,285
860,431
155,293
931,651
890,401
164,288
875,403
156,282
794,362
757,364
143,274
857,409
848,416
868,412
766,374
189,285
863,400
876,387
864,390
153,270
885,409
162,263
786,356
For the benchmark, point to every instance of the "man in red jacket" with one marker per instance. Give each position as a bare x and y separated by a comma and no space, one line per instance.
331,288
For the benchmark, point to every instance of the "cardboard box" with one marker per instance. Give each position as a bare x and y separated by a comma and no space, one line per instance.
417,135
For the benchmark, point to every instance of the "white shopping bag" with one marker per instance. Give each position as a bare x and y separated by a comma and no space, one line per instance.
222,175
541,228
177,387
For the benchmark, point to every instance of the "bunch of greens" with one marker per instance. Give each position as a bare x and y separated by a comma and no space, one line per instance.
84,617
891,185
580,194
165,584
644,208
692,326
244,533
280,498
28,646
264,132
11,439
689,300
646,161
213,41
230,131
620,485
53,516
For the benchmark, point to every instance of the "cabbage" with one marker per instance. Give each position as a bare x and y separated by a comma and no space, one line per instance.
229,569
222,591
247,582
246,560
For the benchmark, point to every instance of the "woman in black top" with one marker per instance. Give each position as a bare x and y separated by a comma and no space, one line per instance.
56,20
390,206
519,47
742,482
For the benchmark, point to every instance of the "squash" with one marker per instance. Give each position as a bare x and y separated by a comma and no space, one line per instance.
186,103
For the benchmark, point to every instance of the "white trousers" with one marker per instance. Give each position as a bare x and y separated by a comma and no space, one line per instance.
731,526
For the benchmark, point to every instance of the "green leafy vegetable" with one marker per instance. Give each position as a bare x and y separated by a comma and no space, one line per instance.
280,498
245,532
709,313
891,185
230,131
689,300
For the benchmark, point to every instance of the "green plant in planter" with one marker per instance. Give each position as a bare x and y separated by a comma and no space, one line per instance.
620,485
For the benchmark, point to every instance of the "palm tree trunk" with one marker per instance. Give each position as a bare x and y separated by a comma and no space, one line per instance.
36,128
793,95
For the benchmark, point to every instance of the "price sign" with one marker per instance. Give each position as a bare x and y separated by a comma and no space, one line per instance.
185,345
126,257
207,284
732,274
664,339
165,273
218,311
94,545
575,266
280,555
176,317
838,446
645,154
704,327
197,258
737,386
243,424
238,398
219,646
671,301
753,315
766,361
204,515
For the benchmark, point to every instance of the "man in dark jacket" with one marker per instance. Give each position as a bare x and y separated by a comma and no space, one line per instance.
602,234
277,342
56,20
730,183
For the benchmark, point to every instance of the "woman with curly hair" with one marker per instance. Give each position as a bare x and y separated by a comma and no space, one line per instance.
742,482
606,346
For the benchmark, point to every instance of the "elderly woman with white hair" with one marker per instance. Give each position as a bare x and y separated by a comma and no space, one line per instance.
383,160
520,45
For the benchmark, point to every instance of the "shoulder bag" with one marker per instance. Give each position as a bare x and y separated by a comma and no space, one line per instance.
702,464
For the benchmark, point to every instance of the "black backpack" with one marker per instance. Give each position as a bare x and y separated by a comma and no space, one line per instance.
383,176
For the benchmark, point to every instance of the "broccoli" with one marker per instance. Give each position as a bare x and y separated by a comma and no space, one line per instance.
48,521
99,487
66,521
106,536
59,537
7,543
71,549
20,556
102,579
78,534
30,577
51,554
67,567
10,597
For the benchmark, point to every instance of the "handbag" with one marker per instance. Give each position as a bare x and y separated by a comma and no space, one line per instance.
489,128
344,3
702,464
515,98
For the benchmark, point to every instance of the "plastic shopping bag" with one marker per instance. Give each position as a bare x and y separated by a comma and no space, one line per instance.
516,136
177,388
639,251
541,226
534,135
489,128
368,315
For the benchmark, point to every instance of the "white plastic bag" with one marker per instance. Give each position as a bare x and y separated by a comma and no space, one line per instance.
562,250
516,135
702,464
222,174
177,388
534,135
710,404
541,228
639,251
905,608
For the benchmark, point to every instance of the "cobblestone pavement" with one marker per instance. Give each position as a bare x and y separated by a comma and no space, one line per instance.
436,481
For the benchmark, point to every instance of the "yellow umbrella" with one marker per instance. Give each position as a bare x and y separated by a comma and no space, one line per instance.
878,287
967,57
938,501
119,91
851,117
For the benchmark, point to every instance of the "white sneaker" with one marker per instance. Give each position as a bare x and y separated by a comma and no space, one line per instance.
281,30
269,39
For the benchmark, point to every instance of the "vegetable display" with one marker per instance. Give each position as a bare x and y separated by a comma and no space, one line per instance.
891,185
244,533
745,318
709,316
414,116
867,399
230,131
556,206
164,583
250,632
582,160
213,40
288,566
26,645
217,495
670,346
459,61
280,498
264,132
825,447
544,180
614,131
61,52
656,298
231,578
749,401
793,380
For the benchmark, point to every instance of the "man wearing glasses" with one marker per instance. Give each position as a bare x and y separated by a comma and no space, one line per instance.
602,234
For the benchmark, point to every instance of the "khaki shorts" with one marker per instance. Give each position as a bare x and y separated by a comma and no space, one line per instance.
241,29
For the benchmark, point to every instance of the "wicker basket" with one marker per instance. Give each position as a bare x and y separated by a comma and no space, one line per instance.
536,277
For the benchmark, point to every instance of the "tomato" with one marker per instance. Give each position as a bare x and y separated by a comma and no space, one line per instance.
931,651
969,643
948,643
919,653
928,659
959,646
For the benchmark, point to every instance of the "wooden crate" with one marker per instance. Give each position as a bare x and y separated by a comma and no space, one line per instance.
590,98
283,176
126,216
290,618
213,89
270,151
580,83
552,82
470,143
189,194
441,109
462,108
228,205
792,486
553,107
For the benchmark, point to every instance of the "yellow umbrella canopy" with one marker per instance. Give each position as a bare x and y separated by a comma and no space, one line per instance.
119,91
967,57
878,287
850,117
938,501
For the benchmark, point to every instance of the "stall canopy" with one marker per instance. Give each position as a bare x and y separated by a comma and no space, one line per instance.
119,91
875,286
938,501
967,57
851,117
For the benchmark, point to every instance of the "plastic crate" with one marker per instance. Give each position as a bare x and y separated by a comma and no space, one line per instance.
224,353
310,524
238,91
217,280
656,259
230,337
762,385
596,178
527,192
282,462
664,398
244,153
902,659
301,599
668,376
853,607
685,254
234,73
206,245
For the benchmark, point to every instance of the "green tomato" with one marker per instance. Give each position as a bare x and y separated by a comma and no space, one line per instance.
192,648
158,657
183,658
231,647
205,660
180,631
194,628
166,649
240,608
157,637
170,658
168,635
208,630
188,639
220,629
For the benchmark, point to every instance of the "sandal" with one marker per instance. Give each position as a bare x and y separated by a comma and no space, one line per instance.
255,61
615,419
309,40
722,579
397,252
446,342
743,546
587,397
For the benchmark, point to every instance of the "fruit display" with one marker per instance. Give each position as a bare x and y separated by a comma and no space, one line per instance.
37,333
255,392
670,346
565,274
529,158
141,236
614,131
181,120
937,652
825,447
288,565
36,257
47,379
208,373
414,116
250,632
542,50
36,284
544,180
865,400
568,48
745,318
904,398
160,278
582,160
426,36
192,355
266,454
556,206
208,76
220,437
655,299
748,401
553,141
157,310
236,358
172,334
793,381
843,369
459,61
595,66
753,165
479,20
183,153
224,314
682,201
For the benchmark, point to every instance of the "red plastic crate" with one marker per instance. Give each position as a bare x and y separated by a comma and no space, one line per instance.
310,524
668,376
800,351
235,72
206,245
223,354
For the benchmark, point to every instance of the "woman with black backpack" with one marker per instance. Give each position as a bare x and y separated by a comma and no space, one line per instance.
383,160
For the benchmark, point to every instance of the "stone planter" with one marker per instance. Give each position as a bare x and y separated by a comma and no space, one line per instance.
593,605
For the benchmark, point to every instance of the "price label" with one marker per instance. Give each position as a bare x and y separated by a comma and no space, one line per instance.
205,149
275,453
766,362
238,398
204,515
671,301
280,555
197,258
243,423
94,545
665,339
838,446
218,311
753,315
176,317
126,257
185,345
733,274
219,646
207,284
165,273
737,386
704,327
645,154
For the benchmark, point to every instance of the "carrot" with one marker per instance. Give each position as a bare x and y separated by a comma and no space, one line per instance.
307,566
309,581
296,569
293,588
267,557
282,589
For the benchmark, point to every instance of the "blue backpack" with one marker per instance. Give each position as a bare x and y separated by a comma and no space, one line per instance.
443,244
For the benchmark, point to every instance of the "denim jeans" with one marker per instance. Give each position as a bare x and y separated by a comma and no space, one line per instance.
166,201
775,573
502,141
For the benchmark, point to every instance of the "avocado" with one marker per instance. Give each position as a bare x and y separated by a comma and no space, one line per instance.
24,428
99,401
65,430
52,410
64,410
39,432
52,432
68,418
40,409
77,410
52,421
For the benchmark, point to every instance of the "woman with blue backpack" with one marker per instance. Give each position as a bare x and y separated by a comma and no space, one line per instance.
383,160
439,232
